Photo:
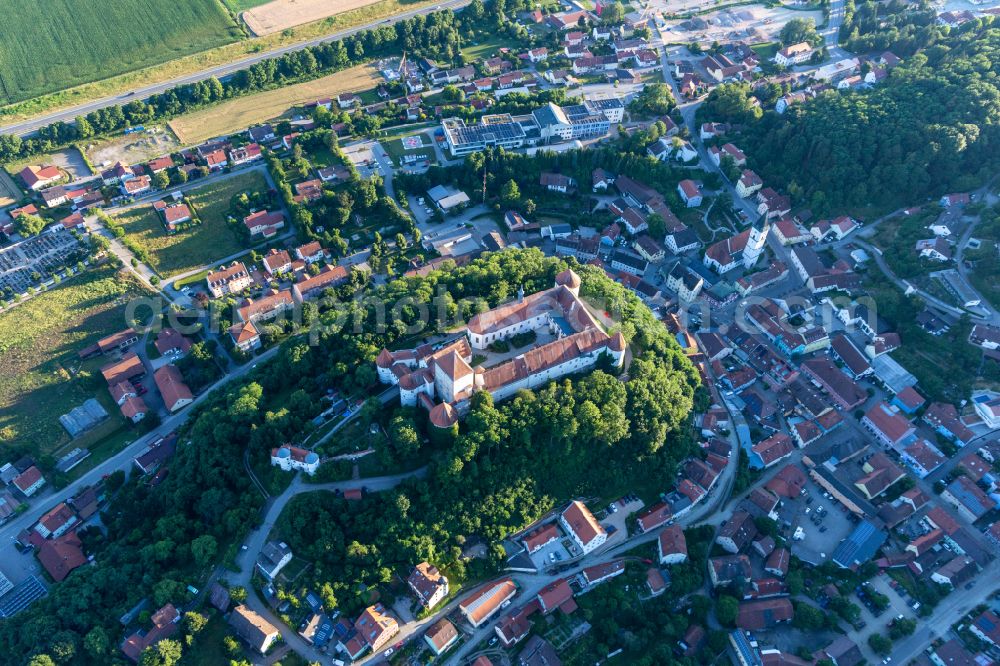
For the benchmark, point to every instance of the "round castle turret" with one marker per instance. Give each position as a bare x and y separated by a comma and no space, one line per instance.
569,279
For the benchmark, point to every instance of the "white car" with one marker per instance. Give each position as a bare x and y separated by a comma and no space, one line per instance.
388,653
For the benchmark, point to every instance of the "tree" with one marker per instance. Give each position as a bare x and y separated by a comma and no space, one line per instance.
194,622
900,628
165,653
203,549
510,194
238,594
880,644
232,646
808,617
161,180
656,99
96,643
731,102
612,14
726,610
29,225
41,660
657,226
799,30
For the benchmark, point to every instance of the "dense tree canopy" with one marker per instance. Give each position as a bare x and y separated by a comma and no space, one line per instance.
510,463
930,128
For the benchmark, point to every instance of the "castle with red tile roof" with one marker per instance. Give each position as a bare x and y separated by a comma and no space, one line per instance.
445,373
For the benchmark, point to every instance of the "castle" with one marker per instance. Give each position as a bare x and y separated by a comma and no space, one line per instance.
446,374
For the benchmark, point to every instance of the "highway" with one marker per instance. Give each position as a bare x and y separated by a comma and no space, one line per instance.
69,115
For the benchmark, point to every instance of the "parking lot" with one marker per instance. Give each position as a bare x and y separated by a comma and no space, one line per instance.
824,523
554,553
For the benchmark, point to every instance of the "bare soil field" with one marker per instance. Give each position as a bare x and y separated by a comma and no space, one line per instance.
240,113
280,15
134,148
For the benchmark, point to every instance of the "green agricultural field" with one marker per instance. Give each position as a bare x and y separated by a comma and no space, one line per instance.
242,5
41,376
52,45
184,250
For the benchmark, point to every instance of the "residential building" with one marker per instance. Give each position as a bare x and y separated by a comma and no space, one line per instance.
689,192
311,252
672,546
59,557
253,628
428,584
56,521
174,391
245,336
440,636
29,482
775,448
515,627
228,280
794,54
264,223
313,287
887,425
277,261
764,613
737,532
272,558
165,623
581,525
748,183
601,572
482,604
955,572
726,569
557,595
968,498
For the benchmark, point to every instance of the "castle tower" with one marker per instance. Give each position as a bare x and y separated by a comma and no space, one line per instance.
569,279
756,242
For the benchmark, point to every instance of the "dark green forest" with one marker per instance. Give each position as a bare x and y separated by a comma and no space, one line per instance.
509,463
930,128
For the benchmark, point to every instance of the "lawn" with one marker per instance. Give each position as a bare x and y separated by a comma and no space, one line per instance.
208,648
40,376
242,112
50,46
198,245
396,150
485,48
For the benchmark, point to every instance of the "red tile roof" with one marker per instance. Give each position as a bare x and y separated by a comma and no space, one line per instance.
582,522
60,556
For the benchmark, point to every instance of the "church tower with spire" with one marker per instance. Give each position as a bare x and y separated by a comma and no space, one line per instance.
756,241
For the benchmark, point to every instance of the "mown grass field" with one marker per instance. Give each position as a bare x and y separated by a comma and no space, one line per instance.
40,372
201,244
242,112
52,45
